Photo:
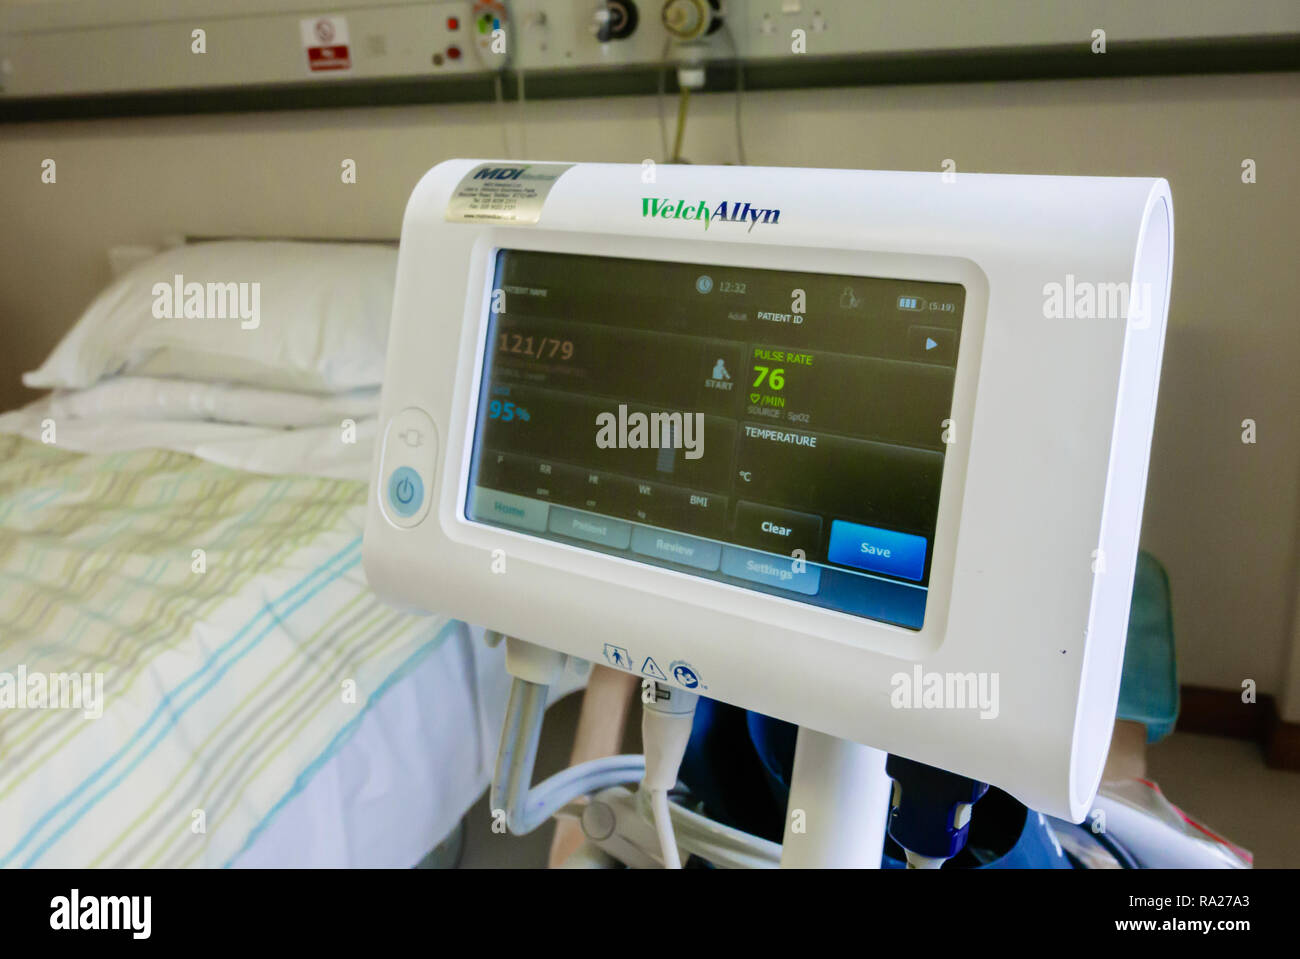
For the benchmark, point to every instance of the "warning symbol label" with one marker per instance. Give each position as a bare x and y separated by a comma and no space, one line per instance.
326,42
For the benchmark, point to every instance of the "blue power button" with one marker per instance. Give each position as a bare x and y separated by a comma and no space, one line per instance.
405,491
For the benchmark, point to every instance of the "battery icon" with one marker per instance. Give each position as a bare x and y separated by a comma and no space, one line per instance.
910,303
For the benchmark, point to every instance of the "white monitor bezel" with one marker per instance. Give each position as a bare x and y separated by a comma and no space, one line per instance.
590,566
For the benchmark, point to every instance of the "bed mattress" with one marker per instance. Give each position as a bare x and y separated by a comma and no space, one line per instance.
243,697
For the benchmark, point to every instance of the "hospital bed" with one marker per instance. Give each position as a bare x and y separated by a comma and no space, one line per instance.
180,522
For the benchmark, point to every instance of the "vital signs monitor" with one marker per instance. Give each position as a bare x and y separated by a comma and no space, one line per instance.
835,446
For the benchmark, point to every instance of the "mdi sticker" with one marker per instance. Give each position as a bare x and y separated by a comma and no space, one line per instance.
504,192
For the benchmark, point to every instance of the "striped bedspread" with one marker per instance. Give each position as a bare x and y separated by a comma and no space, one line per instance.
179,643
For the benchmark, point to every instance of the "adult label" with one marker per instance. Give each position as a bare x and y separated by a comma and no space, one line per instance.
504,192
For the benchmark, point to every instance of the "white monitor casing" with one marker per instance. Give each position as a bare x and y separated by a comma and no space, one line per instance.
1043,483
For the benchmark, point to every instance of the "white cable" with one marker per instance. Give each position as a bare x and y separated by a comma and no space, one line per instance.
719,844
663,821
666,720
740,90
666,730
659,100
517,752
501,114
715,833
723,858
525,809
549,797
916,861
523,121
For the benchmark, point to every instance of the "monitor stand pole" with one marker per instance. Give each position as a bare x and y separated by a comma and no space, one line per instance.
839,805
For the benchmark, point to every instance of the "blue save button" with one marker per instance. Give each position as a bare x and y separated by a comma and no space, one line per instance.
878,550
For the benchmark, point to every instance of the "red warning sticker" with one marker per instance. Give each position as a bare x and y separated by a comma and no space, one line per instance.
326,42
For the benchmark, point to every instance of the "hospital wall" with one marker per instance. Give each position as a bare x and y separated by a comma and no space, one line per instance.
1221,514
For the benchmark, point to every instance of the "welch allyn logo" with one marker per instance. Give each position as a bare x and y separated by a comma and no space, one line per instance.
737,212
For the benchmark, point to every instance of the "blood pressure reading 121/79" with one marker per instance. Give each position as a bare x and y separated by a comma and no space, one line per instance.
542,348
777,431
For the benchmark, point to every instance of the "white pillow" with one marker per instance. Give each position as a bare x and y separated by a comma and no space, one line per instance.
127,398
280,315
